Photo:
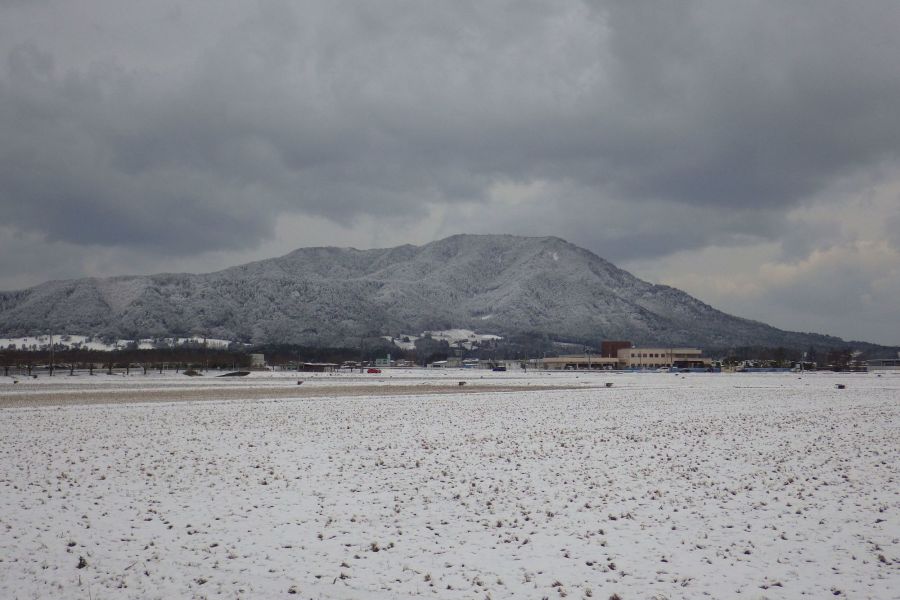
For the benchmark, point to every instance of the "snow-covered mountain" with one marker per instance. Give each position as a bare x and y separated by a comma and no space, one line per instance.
493,284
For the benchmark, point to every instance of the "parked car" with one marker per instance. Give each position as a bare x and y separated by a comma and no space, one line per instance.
373,370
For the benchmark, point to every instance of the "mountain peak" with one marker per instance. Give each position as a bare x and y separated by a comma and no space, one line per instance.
498,284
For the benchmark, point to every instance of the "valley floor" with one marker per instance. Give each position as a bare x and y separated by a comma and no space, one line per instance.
409,485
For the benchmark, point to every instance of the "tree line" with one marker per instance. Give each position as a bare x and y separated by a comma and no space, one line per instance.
79,359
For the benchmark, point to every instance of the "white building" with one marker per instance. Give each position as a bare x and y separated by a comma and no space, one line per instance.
883,364
656,358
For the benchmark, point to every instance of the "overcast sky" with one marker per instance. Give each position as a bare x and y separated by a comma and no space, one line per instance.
746,152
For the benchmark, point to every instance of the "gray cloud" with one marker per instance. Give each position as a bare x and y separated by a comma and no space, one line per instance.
337,109
892,226
645,128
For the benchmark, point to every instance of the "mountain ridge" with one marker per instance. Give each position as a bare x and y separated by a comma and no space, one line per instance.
328,296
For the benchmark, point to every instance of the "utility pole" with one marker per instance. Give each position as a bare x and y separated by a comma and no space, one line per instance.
51,353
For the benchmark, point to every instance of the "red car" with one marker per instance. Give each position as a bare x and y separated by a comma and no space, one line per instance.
373,370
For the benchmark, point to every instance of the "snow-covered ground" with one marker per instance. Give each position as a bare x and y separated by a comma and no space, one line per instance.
662,486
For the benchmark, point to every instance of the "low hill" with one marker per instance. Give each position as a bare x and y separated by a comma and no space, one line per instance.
498,284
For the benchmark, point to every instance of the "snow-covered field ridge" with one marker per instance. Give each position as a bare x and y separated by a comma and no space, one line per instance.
661,486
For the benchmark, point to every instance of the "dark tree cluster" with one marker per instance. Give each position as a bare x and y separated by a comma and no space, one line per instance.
125,360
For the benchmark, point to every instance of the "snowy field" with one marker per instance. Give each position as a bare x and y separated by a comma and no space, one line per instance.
512,486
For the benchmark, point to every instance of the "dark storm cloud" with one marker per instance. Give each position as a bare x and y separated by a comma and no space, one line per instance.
181,129
753,103
892,224
626,229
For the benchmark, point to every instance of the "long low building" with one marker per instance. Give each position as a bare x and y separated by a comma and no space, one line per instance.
656,358
883,364
577,362
631,358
